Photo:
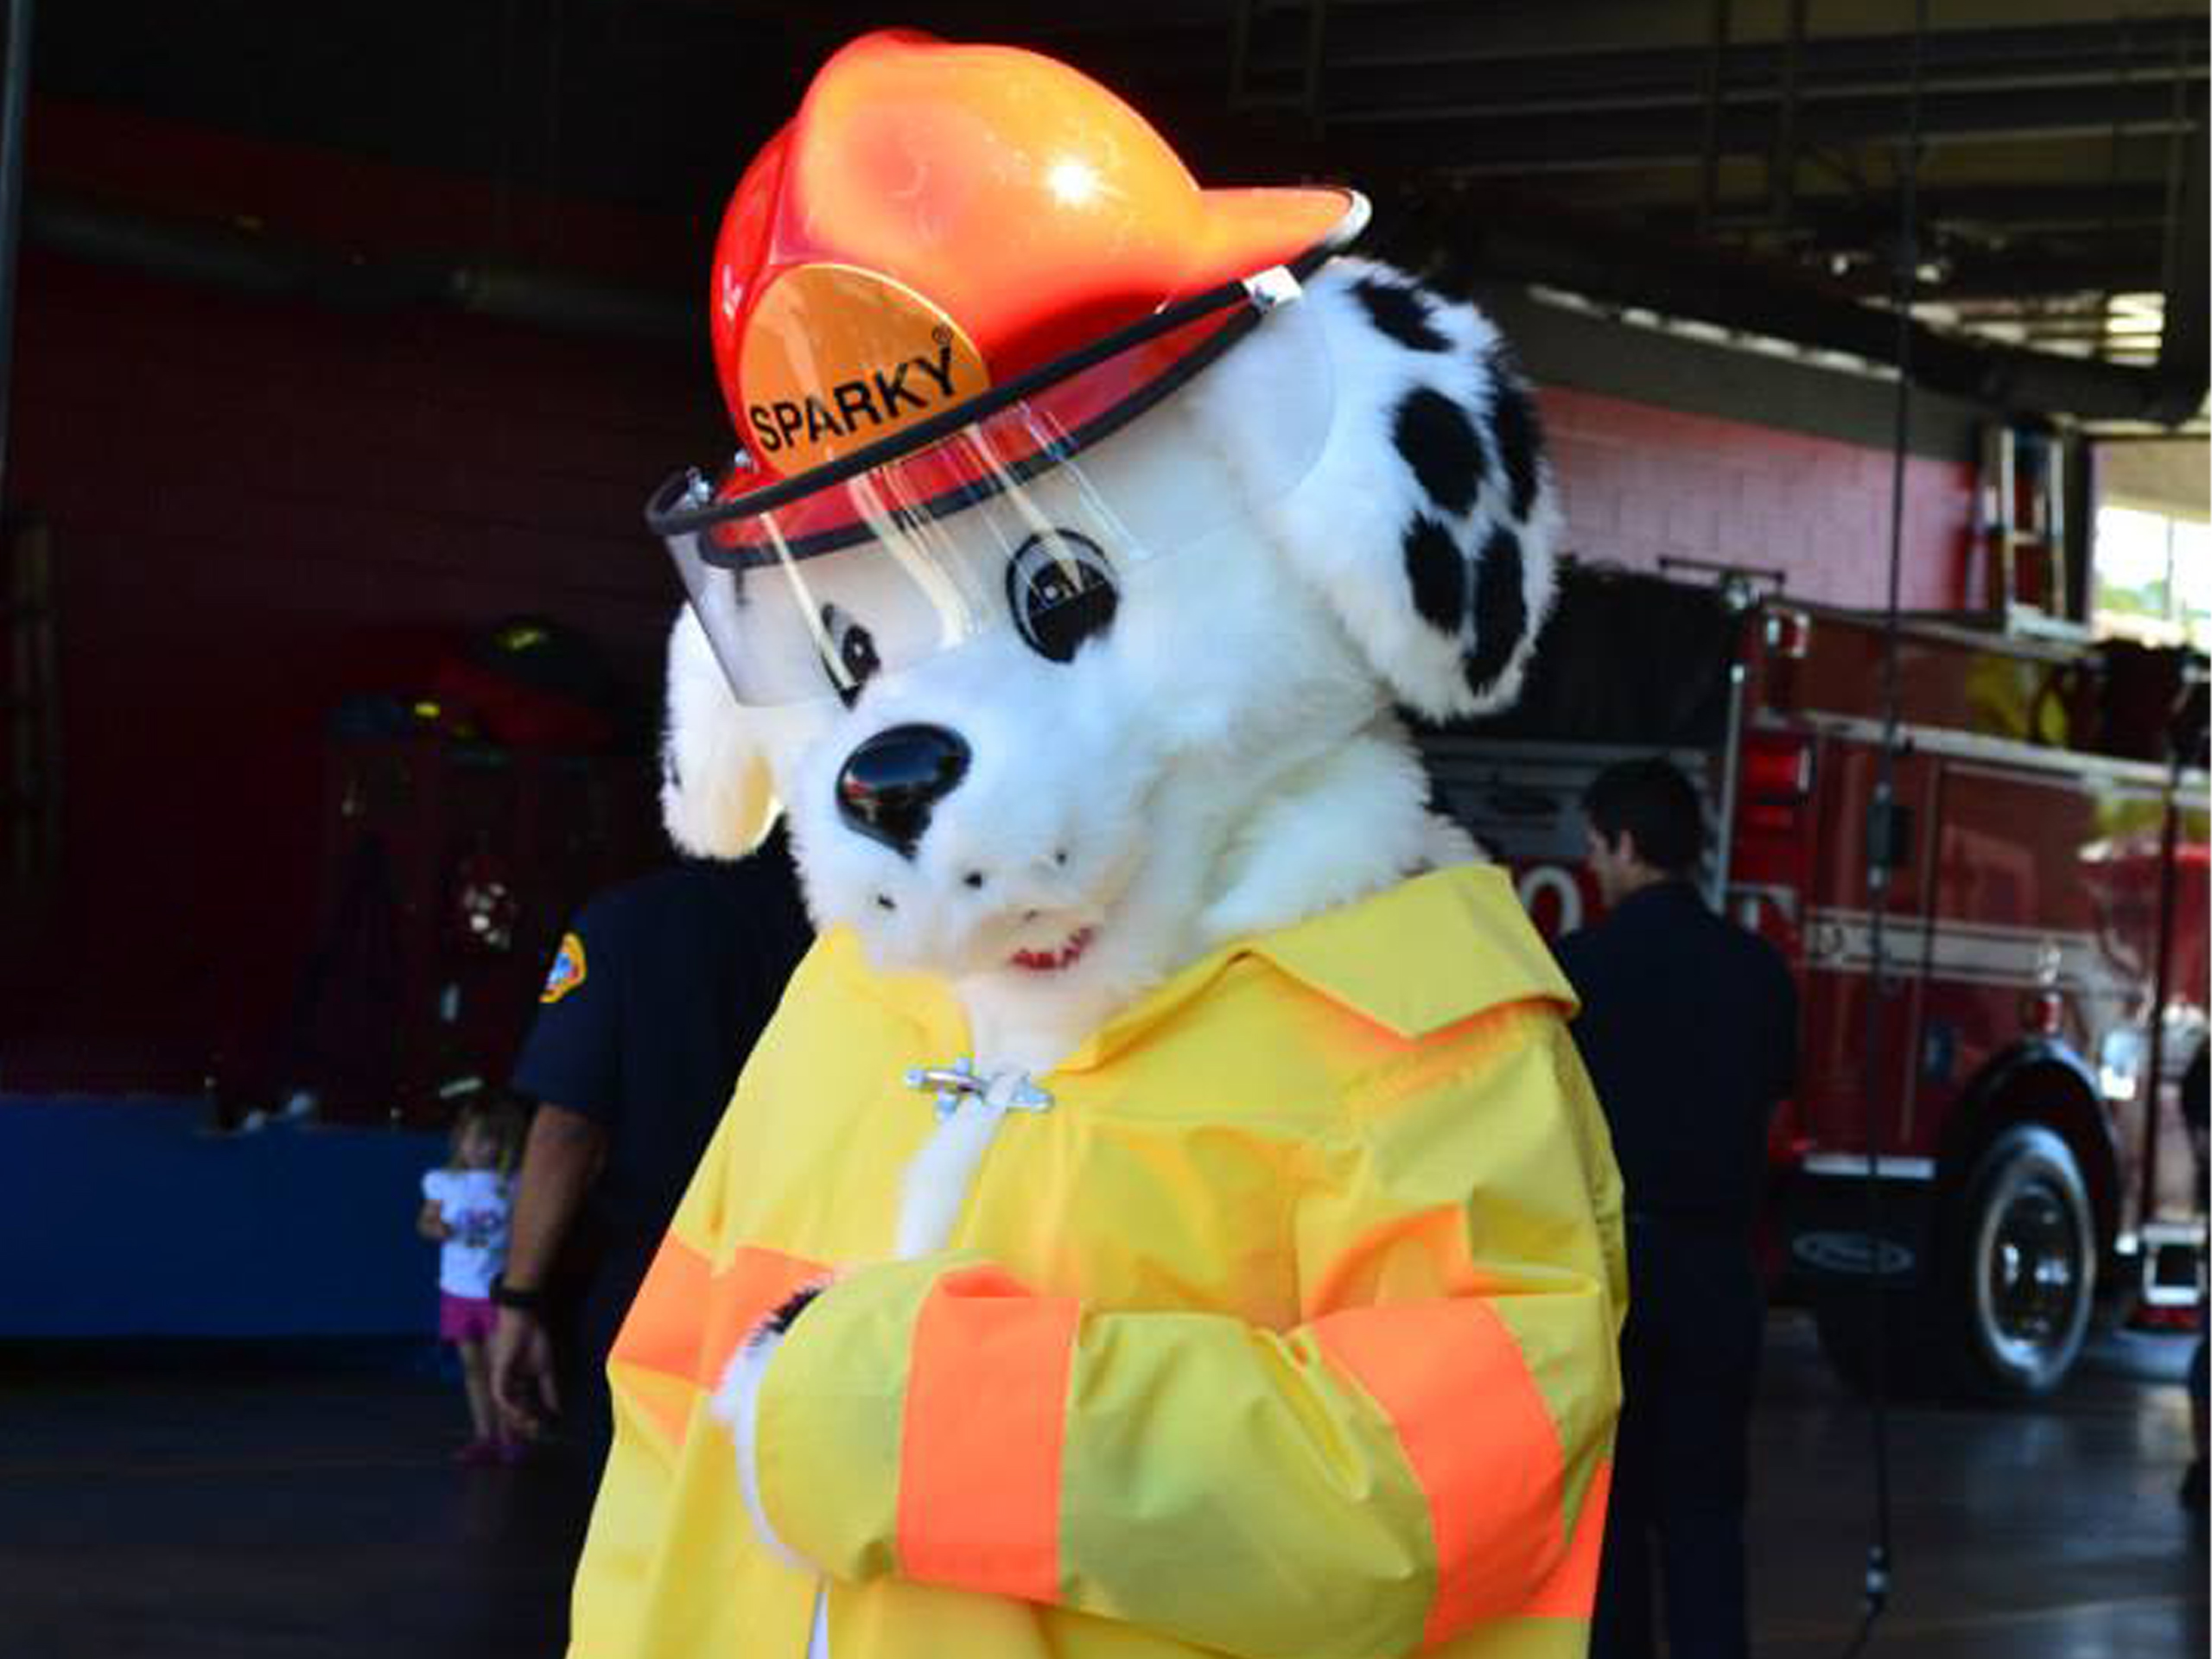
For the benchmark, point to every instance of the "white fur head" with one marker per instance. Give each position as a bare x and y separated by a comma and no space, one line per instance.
1221,756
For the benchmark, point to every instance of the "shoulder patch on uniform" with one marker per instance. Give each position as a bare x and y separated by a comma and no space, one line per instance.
568,970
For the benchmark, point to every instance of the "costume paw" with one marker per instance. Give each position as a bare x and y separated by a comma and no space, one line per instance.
787,1311
736,1404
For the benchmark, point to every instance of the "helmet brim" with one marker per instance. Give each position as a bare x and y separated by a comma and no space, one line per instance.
1083,396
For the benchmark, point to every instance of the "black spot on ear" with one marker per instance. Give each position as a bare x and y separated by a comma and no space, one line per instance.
1400,313
1438,443
1520,436
670,774
1438,574
1501,610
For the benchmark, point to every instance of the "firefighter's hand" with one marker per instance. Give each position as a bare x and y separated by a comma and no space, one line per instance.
522,1373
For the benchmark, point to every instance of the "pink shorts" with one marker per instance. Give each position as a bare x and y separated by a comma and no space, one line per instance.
466,1319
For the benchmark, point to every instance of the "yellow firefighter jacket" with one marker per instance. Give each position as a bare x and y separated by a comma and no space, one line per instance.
1286,1329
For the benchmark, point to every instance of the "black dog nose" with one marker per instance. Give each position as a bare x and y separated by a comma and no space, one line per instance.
889,784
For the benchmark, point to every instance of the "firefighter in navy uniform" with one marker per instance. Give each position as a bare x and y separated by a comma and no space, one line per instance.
1688,1030
652,1003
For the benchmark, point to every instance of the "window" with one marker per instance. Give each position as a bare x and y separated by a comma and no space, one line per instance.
2153,576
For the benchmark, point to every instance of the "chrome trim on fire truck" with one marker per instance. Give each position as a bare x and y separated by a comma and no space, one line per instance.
1839,941
1732,750
2155,1246
1592,757
1746,897
1972,746
1855,1164
2134,789
1946,629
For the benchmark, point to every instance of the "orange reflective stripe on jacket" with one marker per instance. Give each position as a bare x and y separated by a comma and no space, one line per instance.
979,1485
1571,1592
688,1317
1450,1378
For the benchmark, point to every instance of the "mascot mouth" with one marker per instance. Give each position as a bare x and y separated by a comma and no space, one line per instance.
1052,962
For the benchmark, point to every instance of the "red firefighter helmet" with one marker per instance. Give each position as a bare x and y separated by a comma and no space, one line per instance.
938,293
944,229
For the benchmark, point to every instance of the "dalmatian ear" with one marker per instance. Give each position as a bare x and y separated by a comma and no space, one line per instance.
716,798
1430,519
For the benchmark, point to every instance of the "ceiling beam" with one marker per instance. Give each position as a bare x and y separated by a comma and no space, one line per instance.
1578,61
2029,275
2015,210
2186,342
1464,237
1472,143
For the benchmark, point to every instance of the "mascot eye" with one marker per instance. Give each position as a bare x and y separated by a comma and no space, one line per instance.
853,648
1061,591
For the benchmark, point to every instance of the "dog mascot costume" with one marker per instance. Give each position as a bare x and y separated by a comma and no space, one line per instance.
1167,1214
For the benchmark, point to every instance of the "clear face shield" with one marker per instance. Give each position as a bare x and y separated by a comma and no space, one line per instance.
1032,511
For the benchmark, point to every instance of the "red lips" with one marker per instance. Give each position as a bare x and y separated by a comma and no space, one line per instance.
1048,961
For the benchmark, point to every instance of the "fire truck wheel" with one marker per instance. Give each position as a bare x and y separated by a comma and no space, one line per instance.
2017,1267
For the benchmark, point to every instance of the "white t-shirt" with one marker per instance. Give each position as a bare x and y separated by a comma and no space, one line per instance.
474,1204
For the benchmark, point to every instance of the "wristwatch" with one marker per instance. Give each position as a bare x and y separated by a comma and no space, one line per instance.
523,1301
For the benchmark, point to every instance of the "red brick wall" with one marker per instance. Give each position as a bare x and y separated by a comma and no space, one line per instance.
257,508
1641,483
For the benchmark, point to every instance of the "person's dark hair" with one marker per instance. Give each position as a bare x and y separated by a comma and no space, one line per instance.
1652,801
499,1112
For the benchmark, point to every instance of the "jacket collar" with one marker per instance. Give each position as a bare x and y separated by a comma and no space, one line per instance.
1423,955
1415,958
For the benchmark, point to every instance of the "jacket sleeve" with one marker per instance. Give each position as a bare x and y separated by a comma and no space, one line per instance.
1425,1448
688,1319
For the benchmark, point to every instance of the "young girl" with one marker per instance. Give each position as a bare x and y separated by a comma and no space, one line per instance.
465,1207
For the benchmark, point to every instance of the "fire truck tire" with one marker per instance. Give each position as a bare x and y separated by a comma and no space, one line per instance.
2016,1267
2003,1307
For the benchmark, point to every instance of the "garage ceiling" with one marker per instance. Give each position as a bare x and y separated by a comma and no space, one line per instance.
1732,161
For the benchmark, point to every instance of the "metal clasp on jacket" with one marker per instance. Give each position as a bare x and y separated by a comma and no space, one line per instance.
1007,1091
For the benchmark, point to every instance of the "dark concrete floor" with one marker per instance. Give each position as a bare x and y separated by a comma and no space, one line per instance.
2050,1532
229,1509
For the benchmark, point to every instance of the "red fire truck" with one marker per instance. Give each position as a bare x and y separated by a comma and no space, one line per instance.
1993,1028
